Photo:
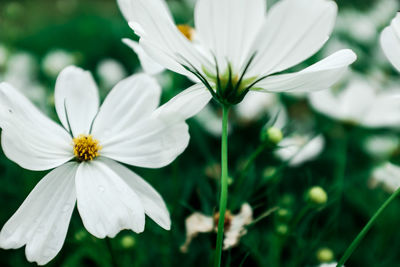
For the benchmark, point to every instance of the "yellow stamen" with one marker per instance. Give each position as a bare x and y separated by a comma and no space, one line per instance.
86,147
187,31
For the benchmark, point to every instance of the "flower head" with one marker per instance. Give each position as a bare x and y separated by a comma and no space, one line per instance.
236,47
129,127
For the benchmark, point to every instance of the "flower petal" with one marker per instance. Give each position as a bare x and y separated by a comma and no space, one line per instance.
153,143
106,203
228,27
131,100
293,31
321,75
42,220
159,36
153,203
29,138
185,105
390,42
148,64
195,224
76,99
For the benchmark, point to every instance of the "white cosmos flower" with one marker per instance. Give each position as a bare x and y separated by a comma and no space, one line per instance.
56,60
297,149
128,128
239,47
360,103
390,42
386,175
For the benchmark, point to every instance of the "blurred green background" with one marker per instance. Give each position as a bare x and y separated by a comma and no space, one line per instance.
38,37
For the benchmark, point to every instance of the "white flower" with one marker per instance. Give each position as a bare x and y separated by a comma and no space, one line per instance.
128,128
238,47
298,149
390,42
234,226
381,146
254,106
332,264
387,175
360,103
110,72
55,61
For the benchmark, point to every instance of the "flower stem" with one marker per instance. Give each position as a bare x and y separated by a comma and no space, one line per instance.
366,228
224,185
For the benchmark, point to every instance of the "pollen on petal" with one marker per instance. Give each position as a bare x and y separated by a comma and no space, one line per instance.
86,148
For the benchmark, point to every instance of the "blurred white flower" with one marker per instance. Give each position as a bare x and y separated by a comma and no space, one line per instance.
332,264
210,121
55,61
128,128
110,72
357,25
21,69
386,175
383,11
234,226
260,44
381,146
390,42
360,103
254,106
297,149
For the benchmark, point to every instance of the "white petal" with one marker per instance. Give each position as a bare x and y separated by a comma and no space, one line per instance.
153,203
76,99
293,31
153,143
237,228
318,76
384,111
228,27
106,203
29,138
390,42
41,223
185,105
131,100
148,64
159,36
255,105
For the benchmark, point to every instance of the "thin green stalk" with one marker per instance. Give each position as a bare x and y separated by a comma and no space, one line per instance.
224,185
365,230
111,251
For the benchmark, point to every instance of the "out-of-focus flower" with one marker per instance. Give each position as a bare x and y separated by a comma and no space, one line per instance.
21,69
128,128
128,242
255,105
383,11
390,42
298,149
234,226
55,61
332,264
325,255
260,45
386,175
381,146
361,104
210,121
357,25
110,72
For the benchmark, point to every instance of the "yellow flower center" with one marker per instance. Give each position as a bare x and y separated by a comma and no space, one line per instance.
187,31
86,147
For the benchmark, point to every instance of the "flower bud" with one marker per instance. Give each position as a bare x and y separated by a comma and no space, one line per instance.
317,195
80,235
284,214
325,255
282,229
128,241
272,134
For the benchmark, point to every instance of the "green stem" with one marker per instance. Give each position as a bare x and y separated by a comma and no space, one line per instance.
365,230
224,185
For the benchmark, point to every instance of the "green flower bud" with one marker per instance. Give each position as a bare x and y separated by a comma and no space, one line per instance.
272,134
269,173
325,255
284,214
317,195
128,242
282,229
80,235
